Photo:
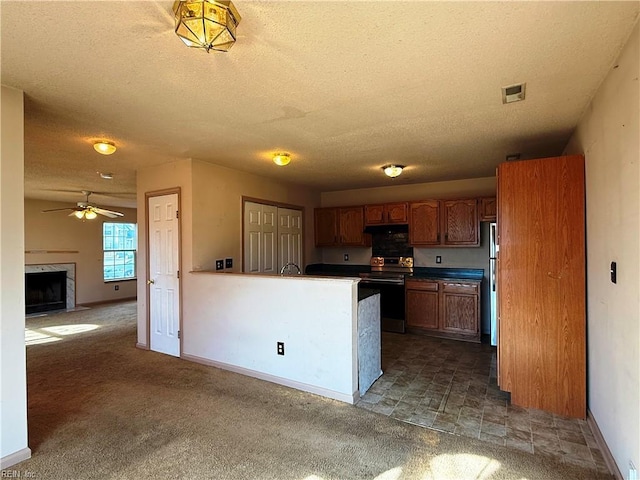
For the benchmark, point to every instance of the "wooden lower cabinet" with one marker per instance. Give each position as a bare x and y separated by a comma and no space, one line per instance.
443,308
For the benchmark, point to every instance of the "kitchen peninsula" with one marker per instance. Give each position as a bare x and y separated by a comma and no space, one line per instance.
330,333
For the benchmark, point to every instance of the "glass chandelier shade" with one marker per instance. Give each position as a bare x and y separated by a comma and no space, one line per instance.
206,24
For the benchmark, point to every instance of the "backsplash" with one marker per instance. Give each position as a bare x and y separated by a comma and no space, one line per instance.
391,244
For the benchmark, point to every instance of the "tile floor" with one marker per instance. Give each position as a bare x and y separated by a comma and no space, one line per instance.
451,386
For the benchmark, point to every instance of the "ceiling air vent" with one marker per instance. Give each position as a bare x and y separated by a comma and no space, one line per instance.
513,157
513,93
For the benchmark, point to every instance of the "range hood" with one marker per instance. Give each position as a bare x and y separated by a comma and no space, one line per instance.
393,228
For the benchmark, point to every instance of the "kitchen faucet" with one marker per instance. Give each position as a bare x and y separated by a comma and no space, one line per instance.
288,267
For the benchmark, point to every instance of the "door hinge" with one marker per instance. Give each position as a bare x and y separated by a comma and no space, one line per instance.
178,273
178,333
177,214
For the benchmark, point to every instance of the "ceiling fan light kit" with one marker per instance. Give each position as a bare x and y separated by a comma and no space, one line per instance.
85,210
104,147
206,24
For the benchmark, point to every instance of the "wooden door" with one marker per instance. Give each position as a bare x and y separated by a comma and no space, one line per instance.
461,224
424,223
163,280
351,221
326,226
422,304
541,288
488,209
289,237
460,308
374,215
397,212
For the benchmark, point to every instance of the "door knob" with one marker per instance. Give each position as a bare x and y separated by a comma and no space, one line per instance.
149,282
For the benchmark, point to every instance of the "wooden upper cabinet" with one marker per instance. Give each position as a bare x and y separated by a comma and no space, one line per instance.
326,227
351,226
488,209
385,214
343,226
424,223
460,222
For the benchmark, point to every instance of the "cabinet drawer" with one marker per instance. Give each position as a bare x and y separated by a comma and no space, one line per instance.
421,285
460,287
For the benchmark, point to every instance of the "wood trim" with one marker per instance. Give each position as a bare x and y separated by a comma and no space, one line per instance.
147,196
50,251
604,448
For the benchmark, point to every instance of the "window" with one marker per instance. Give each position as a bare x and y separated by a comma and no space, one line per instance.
119,242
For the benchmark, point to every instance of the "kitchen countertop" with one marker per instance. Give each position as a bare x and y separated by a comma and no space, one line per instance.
434,273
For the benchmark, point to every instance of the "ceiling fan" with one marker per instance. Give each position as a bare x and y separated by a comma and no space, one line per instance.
86,210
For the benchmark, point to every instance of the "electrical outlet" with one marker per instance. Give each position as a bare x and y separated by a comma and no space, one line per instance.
117,287
280,348
228,263
633,473
438,259
346,257
219,264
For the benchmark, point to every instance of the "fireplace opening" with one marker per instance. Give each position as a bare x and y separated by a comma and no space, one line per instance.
45,291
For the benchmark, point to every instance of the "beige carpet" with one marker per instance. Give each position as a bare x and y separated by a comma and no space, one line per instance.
100,408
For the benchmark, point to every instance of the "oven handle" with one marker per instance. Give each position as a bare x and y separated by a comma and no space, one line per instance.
365,281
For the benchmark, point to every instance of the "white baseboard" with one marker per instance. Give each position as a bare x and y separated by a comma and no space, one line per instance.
142,346
14,458
604,448
343,397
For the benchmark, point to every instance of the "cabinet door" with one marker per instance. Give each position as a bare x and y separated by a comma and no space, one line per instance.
397,212
422,305
460,308
488,209
351,223
424,223
461,222
374,214
326,226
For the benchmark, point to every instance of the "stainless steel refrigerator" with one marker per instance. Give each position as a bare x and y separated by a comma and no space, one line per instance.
493,293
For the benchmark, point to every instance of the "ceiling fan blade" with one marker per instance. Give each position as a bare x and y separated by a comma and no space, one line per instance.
58,209
107,213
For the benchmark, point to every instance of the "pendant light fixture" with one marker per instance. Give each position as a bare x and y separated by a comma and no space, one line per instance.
206,24
392,170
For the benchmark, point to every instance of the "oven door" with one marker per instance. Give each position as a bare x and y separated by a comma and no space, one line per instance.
391,303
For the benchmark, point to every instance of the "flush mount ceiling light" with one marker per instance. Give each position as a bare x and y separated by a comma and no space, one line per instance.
392,170
104,147
206,24
281,159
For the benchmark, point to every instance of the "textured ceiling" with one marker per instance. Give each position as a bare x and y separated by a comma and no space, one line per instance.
344,86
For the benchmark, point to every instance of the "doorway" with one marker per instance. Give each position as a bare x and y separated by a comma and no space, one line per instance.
163,271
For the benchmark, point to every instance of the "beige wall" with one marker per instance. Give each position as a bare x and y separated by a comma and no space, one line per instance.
608,135
58,231
152,179
211,217
13,369
217,199
471,187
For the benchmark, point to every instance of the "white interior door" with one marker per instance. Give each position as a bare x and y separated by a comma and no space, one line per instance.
289,237
260,238
164,285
